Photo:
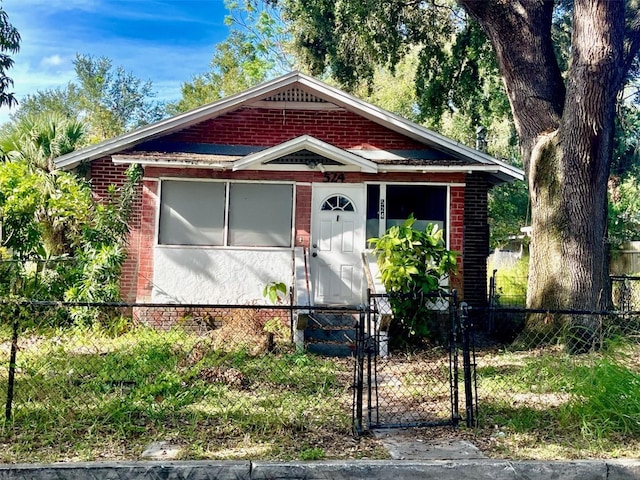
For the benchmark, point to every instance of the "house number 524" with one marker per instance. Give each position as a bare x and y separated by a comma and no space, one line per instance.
333,177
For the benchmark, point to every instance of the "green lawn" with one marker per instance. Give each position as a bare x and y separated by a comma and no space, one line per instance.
84,395
81,395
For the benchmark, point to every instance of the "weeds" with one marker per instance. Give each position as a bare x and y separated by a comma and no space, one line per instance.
605,400
82,396
589,402
89,394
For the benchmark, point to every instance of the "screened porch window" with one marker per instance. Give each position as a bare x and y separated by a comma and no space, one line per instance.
392,204
225,214
188,213
260,215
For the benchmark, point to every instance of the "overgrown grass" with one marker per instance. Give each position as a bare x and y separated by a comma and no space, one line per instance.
570,406
511,283
84,395
81,395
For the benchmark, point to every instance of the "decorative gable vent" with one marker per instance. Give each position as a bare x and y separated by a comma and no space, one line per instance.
295,95
304,157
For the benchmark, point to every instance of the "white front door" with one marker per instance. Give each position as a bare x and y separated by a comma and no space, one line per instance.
337,240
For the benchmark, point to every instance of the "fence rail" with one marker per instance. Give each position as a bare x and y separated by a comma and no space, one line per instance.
144,371
540,367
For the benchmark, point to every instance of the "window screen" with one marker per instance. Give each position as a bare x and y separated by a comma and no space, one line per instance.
260,215
389,205
192,213
427,204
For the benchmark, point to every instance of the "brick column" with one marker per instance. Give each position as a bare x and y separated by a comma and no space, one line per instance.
476,240
303,215
146,240
456,235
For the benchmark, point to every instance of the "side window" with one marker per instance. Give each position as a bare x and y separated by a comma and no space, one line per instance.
427,204
391,204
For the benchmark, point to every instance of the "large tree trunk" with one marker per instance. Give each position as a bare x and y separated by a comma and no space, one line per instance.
566,142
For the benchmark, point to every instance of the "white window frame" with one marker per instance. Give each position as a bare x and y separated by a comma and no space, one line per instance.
382,205
227,183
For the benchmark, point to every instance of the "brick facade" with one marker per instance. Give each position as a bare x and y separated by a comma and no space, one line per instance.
456,235
468,230
269,127
103,174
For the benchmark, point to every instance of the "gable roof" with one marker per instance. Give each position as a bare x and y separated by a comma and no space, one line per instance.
312,144
474,160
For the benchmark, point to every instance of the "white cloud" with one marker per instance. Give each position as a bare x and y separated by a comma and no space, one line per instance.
52,61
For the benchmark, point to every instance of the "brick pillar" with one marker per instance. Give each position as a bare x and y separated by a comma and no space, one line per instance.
303,215
147,237
476,240
456,235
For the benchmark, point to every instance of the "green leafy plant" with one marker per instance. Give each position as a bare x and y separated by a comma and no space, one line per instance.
624,210
413,263
412,260
57,243
275,292
312,453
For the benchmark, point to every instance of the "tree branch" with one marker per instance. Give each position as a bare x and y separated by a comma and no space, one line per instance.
631,47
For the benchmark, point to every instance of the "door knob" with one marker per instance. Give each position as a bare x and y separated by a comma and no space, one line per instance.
315,245
314,254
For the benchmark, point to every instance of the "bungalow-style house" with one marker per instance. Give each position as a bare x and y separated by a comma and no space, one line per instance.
284,183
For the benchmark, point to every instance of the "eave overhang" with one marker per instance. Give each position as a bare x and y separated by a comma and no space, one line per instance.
255,97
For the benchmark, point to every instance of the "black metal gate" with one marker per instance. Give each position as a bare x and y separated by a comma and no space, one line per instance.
407,369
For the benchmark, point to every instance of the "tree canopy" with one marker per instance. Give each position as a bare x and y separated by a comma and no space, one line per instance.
9,43
562,96
256,48
110,101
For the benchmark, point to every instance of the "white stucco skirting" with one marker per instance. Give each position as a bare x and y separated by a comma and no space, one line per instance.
217,276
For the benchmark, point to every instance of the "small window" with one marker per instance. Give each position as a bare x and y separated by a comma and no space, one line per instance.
426,203
391,204
373,211
337,202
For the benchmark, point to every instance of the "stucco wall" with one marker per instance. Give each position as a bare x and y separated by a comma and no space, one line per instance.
217,276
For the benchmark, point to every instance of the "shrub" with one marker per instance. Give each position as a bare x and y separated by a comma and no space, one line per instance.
412,264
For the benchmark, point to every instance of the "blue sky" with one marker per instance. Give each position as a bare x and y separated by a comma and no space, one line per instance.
165,41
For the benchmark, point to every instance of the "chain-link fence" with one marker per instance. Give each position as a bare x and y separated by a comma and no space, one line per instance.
539,369
104,380
409,362
625,290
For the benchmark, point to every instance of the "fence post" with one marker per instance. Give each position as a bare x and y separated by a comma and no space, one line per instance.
466,363
359,376
492,302
454,326
12,364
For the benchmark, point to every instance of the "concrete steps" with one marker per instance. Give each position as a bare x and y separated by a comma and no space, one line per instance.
331,334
